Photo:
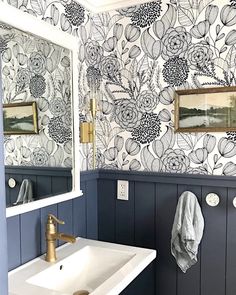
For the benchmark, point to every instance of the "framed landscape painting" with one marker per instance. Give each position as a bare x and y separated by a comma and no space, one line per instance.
20,118
205,110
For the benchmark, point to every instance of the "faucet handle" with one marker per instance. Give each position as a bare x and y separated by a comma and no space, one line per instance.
53,219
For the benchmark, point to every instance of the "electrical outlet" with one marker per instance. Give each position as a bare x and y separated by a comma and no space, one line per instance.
122,190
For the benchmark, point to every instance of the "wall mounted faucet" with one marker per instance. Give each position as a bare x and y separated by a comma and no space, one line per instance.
52,235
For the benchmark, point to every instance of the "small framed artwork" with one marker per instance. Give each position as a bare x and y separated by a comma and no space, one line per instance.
205,110
20,118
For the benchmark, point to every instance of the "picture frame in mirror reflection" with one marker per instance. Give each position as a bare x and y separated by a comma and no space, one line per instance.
205,110
20,118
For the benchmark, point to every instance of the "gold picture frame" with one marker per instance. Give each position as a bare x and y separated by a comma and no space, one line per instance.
205,110
20,118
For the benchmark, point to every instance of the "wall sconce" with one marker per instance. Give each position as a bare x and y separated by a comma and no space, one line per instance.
88,129
86,132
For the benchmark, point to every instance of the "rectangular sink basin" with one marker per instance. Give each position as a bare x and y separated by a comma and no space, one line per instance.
92,265
99,268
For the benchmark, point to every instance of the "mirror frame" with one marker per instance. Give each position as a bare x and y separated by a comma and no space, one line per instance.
30,24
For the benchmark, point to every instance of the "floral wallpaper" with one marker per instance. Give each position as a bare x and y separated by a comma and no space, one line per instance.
35,70
136,57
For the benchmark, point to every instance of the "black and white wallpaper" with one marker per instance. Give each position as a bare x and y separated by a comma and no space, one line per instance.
35,70
137,57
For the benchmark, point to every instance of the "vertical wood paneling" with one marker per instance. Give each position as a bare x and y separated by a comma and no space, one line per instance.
106,210
44,186
145,227
53,182
145,220
65,213
79,214
191,280
125,218
91,209
213,248
7,192
30,224
69,184
59,185
166,200
13,245
144,284
231,245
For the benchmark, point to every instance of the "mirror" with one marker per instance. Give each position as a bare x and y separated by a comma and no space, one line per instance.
39,74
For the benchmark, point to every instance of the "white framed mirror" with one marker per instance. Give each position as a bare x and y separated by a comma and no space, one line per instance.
21,31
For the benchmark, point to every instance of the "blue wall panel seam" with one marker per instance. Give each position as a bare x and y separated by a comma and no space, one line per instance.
20,229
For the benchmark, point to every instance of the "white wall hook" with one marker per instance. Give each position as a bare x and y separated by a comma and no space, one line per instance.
11,182
213,199
234,202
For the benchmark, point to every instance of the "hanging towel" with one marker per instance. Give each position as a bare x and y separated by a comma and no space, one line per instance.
187,231
26,192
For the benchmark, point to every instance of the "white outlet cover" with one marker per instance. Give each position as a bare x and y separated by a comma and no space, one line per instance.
123,190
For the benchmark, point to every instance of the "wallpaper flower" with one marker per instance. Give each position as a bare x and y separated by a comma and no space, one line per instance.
34,70
137,57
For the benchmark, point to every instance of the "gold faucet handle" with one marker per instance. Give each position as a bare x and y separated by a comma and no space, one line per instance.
53,219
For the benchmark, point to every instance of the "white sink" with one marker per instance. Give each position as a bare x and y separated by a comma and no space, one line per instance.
98,267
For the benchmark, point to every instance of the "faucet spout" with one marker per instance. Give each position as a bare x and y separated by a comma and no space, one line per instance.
52,235
65,237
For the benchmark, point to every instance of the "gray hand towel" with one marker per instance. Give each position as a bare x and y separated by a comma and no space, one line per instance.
187,231
26,192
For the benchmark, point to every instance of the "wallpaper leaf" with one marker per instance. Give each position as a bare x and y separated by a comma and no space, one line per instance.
169,18
159,28
98,32
185,4
185,141
113,20
37,6
143,64
231,57
168,139
158,148
150,46
147,158
203,4
55,14
186,17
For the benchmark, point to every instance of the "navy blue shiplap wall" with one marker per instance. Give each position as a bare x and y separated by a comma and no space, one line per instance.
46,181
145,220
26,232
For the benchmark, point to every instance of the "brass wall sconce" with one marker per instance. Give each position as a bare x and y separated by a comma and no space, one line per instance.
86,132
88,129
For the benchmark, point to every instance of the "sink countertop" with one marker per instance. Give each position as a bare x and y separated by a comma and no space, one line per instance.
113,285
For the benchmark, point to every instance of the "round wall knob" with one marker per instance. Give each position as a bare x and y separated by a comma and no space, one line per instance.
11,182
212,199
234,202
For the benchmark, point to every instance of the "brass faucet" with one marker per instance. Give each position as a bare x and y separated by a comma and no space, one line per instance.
52,235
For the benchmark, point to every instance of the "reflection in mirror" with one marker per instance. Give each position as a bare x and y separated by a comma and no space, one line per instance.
35,70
